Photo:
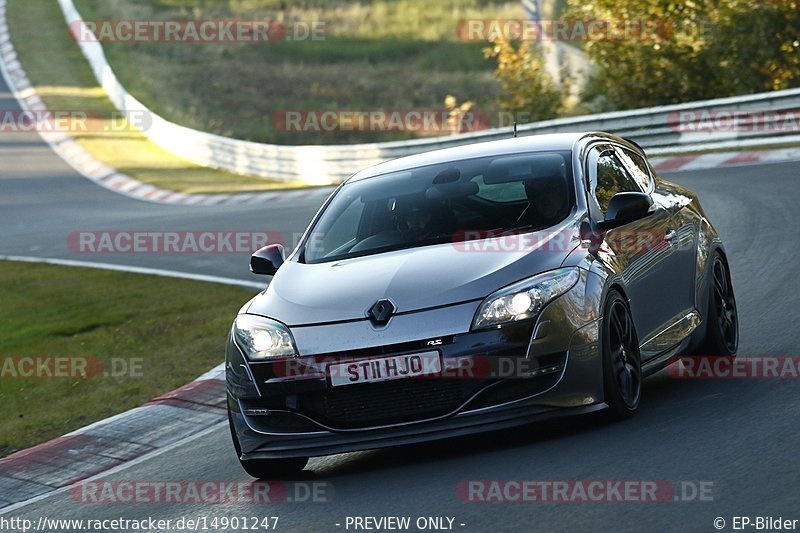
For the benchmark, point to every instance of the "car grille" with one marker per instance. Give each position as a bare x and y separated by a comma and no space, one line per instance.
390,401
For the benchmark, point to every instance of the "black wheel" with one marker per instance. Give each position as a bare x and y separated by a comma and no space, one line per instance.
622,368
266,468
722,328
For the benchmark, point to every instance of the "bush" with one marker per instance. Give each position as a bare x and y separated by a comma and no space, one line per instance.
527,87
702,49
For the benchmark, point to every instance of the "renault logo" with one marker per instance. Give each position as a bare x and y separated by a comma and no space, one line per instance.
380,313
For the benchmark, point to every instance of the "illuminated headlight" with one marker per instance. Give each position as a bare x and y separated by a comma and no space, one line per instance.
524,299
262,338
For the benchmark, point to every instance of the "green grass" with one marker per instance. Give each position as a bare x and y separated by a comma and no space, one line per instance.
385,54
62,77
174,329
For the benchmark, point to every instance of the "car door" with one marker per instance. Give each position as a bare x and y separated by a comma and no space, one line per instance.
638,249
679,233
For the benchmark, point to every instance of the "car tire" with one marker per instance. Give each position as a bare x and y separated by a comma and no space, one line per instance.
722,326
266,468
622,369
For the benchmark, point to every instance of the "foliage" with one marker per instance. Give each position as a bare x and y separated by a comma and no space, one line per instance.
528,89
700,49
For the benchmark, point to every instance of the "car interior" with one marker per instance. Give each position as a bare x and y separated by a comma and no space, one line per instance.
444,203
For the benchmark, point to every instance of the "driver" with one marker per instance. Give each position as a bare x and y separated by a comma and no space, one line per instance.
415,218
548,200
419,219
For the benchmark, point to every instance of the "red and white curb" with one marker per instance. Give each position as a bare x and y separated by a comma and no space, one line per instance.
89,167
686,162
159,424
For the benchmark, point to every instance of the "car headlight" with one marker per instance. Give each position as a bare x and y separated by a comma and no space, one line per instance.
524,299
262,338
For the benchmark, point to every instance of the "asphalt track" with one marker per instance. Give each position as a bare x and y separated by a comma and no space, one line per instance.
741,435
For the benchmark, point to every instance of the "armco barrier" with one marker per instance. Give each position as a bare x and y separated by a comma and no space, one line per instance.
654,128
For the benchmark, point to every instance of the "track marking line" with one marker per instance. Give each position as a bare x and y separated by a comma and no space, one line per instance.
135,270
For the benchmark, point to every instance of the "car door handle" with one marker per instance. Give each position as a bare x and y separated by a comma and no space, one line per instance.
670,235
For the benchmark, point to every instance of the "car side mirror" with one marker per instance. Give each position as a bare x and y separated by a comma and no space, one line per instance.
267,260
626,207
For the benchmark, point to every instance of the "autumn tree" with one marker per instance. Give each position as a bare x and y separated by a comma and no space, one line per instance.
693,50
528,90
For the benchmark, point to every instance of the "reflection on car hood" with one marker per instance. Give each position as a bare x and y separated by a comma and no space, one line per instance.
414,279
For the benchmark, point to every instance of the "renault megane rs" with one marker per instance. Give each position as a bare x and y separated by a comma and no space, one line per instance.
471,289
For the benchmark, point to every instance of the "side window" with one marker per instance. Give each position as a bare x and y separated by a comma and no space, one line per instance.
612,178
637,167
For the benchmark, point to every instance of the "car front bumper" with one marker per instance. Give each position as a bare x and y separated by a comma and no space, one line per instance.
324,442
491,379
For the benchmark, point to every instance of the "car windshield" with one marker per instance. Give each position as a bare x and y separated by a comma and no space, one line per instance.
446,202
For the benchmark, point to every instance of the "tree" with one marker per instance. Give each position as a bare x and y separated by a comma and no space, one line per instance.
757,48
528,88
699,49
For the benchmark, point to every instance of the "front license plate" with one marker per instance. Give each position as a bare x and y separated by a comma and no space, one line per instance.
385,368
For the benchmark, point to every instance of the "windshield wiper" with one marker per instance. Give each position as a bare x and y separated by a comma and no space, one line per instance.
439,239
499,232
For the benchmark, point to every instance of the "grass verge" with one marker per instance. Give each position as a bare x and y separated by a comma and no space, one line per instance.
376,55
63,79
157,333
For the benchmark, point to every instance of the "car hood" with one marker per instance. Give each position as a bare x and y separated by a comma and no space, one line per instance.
414,279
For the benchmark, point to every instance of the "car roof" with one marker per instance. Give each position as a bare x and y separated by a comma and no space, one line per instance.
530,143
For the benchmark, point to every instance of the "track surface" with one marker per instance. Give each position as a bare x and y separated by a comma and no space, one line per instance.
740,434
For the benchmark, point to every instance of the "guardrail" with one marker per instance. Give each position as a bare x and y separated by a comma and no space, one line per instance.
658,129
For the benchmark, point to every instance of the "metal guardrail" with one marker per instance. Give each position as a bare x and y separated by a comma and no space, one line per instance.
658,129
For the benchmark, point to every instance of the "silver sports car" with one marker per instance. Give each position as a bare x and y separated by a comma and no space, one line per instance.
471,289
